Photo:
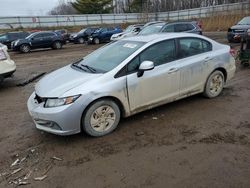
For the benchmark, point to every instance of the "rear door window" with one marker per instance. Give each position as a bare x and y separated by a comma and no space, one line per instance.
193,46
48,35
181,27
168,28
37,36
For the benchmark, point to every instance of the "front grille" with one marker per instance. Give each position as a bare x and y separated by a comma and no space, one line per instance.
238,30
39,99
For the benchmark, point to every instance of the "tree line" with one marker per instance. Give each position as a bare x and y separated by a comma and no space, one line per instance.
130,6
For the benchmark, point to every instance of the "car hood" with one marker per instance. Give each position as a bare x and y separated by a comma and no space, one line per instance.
20,41
119,34
62,80
244,27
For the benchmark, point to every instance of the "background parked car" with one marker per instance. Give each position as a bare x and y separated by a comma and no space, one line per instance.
8,38
238,31
103,34
7,66
182,26
153,28
128,32
153,22
82,36
64,33
45,39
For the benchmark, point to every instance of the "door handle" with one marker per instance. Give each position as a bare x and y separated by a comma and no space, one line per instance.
208,59
172,70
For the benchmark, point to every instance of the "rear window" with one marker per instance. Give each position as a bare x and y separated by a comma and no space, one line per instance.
190,27
181,27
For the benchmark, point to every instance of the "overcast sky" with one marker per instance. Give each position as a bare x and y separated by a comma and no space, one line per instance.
26,7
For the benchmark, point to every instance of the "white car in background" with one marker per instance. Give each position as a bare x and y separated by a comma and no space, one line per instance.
7,66
130,31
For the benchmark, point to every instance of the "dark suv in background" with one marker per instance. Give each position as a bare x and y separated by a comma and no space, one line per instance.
182,26
36,40
238,31
64,33
82,36
8,38
103,34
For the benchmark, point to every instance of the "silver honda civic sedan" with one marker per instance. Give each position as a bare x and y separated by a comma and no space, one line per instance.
126,77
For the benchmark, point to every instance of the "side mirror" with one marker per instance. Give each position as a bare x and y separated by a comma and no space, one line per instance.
145,66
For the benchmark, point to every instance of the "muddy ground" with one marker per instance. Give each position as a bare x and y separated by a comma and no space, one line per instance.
194,142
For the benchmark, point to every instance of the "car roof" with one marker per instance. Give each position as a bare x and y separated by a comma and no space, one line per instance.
163,36
17,32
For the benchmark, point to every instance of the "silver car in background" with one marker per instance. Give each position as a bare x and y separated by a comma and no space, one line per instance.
130,31
127,77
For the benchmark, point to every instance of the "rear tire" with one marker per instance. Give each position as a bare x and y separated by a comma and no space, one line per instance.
81,40
245,63
214,84
57,45
25,48
101,118
96,41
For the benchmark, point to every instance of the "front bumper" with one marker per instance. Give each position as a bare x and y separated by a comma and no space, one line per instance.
67,118
231,36
7,68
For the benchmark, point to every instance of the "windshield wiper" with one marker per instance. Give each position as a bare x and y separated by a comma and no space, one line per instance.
77,66
91,69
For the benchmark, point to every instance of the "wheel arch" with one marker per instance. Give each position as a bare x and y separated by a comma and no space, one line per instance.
223,70
115,99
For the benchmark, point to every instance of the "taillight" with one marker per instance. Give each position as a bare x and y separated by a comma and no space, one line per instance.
232,52
2,55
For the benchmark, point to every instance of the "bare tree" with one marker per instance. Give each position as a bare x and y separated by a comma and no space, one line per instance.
63,8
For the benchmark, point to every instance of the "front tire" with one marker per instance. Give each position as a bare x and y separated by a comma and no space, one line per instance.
57,45
25,48
96,41
214,84
101,118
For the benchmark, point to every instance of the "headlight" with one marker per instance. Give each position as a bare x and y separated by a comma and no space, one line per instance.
248,32
2,55
55,102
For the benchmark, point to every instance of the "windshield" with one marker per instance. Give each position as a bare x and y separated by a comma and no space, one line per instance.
111,55
129,29
244,21
151,29
3,37
30,36
98,30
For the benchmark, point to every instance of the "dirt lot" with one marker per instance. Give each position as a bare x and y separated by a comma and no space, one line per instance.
195,142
